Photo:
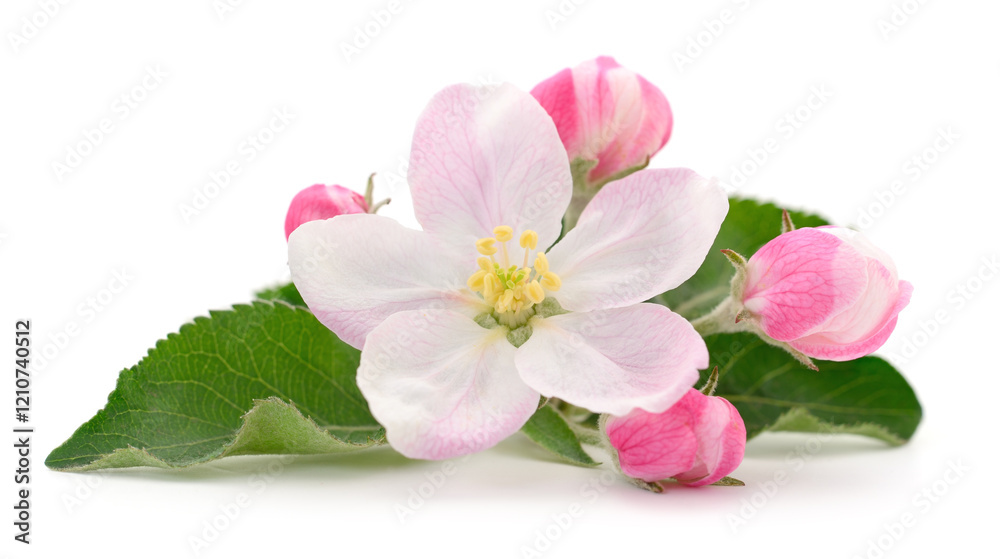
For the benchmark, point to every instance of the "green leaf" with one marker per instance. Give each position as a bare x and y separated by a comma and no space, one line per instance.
552,432
265,378
287,293
774,392
748,226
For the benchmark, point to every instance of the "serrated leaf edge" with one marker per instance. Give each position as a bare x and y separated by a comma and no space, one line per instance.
793,420
132,456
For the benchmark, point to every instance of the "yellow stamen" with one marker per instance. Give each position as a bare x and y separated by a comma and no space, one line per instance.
486,246
503,233
535,292
490,289
529,239
508,297
551,281
510,289
475,281
541,263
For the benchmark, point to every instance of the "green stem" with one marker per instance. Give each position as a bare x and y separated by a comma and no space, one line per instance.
587,435
722,319
576,206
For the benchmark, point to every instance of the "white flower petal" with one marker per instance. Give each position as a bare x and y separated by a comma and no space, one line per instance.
488,156
441,385
356,270
639,236
612,361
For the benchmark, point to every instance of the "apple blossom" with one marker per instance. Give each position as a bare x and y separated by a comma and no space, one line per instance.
465,324
828,292
824,292
321,201
610,119
697,441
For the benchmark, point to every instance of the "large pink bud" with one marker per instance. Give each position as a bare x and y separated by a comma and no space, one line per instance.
698,441
321,201
607,115
827,292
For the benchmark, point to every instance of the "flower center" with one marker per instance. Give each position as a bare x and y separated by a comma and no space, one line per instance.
510,289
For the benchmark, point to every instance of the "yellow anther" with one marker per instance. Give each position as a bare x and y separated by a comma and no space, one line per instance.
508,297
529,239
492,290
541,264
475,281
503,233
486,246
551,281
519,292
535,292
510,289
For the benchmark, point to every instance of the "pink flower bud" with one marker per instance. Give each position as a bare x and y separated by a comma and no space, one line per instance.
698,441
828,292
321,201
606,114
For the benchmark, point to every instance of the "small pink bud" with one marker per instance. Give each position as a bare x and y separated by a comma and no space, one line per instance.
606,114
698,441
828,292
321,201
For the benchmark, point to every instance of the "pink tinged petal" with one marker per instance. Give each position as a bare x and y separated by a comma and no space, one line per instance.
654,447
698,441
321,201
640,236
835,346
853,286
639,127
871,310
557,95
800,279
722,438
613,361
484,157
607,113
658,123
354,271
610,102
441,385
581,102
862,244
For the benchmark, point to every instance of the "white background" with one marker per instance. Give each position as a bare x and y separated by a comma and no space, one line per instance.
64,235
